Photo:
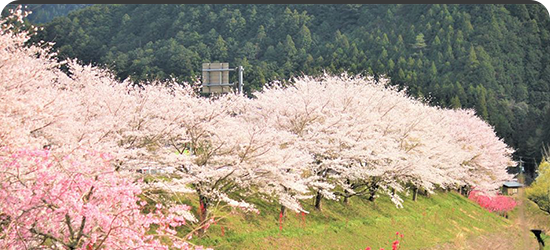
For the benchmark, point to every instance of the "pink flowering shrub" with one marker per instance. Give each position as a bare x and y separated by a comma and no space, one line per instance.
499,203
76,202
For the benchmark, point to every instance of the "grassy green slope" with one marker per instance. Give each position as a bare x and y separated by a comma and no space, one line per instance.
442,218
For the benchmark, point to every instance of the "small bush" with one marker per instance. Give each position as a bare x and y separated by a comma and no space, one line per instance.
499,203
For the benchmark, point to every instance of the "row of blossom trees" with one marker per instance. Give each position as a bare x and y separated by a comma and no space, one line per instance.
68,139
63,140
364,135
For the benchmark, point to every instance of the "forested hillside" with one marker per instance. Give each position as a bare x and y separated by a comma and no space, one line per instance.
42,13
493,58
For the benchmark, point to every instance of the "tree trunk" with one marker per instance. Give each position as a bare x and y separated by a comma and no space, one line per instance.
346,197
203,213
372,192
318,199
415,193
465,190
283,210
346,200
346,193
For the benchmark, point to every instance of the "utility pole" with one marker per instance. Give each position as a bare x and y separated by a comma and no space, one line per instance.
521,169
521,174
241,70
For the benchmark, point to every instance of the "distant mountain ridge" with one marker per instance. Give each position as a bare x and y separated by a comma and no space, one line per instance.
43,13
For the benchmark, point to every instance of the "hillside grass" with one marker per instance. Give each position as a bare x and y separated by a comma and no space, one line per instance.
430,221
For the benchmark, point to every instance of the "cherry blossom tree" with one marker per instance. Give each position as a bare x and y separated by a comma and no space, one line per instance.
22,71
367,136
147,125
77,201
231,149
339,123
487,155
69,195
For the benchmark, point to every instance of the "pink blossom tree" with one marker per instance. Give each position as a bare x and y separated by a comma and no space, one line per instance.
68,196
487,155
231,149
344,123
365,136
147,125
76,202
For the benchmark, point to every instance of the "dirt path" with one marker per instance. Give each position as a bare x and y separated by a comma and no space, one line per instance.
522,223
